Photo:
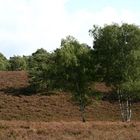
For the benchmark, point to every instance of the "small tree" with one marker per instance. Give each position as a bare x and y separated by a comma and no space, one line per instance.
17,63
4,65
117,53
73,69
38,70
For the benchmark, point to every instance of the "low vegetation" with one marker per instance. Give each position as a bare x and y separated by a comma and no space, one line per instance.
69,130
62,86
53,106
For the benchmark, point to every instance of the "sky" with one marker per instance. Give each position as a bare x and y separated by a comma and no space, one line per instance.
27,25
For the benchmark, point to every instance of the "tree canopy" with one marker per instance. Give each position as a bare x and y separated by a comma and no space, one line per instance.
74,68
4,65
17,63
117,53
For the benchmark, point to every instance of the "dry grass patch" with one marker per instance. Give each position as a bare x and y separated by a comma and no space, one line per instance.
22,130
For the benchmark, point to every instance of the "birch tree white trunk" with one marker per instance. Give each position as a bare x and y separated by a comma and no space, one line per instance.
125,106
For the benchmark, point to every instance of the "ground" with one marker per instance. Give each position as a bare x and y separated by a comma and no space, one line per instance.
75,130
41,117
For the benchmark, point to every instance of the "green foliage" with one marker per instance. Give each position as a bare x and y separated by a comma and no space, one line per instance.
75,60
131,89
17,63
38,70
73,68
117,53
3,63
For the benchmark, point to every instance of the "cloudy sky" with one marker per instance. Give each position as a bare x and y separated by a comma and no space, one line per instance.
26,25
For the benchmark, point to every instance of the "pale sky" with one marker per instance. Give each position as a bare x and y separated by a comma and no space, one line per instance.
26,25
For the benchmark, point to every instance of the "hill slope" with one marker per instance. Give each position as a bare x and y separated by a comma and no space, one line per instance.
21,130
57,107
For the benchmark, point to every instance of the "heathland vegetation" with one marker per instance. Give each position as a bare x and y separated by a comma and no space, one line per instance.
114,59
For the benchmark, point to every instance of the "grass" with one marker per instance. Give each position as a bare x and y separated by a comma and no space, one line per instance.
56,117
20,130
55,107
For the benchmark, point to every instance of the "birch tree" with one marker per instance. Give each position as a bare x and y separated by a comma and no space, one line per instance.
73,70
117,53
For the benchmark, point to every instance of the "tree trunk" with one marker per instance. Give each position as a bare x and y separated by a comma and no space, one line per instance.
129,112
81,103
125,107
82,109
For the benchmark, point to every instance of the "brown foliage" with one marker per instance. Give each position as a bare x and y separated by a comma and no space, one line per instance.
23,130
56,117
